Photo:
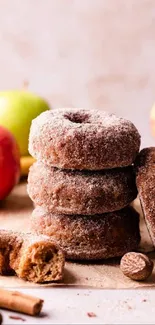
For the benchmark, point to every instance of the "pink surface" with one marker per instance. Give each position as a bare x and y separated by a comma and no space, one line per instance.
82,53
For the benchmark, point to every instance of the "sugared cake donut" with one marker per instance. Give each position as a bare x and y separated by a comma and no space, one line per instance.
145,170
81,192
90,238
83,139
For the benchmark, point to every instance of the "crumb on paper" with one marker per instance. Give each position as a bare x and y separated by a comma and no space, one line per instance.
127,305
91,314
17,318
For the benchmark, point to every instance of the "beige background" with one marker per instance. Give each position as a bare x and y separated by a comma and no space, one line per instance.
90,53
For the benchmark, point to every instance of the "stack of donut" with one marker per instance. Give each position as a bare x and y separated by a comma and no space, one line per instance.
83,182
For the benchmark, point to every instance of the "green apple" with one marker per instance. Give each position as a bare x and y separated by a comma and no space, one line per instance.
17,110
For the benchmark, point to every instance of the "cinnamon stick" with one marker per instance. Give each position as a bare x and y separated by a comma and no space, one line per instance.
17,301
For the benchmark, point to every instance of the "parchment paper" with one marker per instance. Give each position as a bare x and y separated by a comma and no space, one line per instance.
14,215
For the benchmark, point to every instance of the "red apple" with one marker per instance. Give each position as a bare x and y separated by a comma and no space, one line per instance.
9,162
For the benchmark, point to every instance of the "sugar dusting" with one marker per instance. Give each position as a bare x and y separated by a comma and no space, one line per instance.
94,237
145,171
81,192
99,141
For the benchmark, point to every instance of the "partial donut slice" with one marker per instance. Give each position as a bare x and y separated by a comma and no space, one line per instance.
90,238
145,179
81,192
33,258
83,139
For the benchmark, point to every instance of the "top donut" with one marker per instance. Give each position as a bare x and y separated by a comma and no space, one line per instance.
83,139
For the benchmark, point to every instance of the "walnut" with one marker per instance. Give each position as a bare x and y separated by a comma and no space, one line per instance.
136,266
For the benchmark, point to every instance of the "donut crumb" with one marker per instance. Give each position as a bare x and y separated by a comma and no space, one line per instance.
17,318
91,314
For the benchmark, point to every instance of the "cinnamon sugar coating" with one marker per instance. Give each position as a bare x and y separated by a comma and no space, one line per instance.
145,179
90,238
33,258
81,192
83,139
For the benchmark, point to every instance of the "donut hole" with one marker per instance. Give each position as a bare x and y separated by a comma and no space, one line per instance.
78,118
48,257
